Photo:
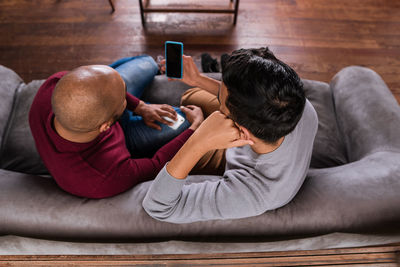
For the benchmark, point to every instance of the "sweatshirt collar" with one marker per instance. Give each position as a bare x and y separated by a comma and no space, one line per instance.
64,145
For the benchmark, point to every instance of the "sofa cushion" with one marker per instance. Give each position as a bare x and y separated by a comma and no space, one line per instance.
354,197
19,151
9,82
328,150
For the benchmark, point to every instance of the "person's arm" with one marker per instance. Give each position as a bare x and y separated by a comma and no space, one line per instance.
236,195
216,132
145,169
131,101
118,171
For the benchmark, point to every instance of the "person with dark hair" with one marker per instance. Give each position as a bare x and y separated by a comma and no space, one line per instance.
260,115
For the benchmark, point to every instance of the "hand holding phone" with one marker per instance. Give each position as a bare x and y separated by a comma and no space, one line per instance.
177,123
173,56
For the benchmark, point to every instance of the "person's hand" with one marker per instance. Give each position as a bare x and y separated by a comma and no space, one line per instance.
154,112
194,115
190,72
220,132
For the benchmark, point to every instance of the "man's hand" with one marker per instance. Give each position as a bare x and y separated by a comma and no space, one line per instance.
219,132
154,112
194,115
192,76
191,73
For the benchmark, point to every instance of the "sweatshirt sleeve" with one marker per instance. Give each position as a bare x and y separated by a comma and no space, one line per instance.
170,200
131,101
133,171
147,168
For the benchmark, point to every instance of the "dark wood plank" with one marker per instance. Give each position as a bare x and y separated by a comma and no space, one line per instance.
387,255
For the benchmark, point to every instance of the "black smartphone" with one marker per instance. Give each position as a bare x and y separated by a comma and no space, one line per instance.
173,56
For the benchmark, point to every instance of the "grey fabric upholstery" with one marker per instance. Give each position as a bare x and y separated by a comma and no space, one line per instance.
368,114
352,186
328,150
15,245
9,82
19,151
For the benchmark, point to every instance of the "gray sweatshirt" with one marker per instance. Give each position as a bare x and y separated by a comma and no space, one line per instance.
252,183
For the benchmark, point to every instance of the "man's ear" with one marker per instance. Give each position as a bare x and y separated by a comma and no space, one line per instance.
104,126
246,134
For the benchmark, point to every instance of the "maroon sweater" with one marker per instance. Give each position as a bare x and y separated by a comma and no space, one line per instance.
97,169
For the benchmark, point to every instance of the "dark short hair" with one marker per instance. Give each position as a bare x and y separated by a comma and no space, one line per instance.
265,95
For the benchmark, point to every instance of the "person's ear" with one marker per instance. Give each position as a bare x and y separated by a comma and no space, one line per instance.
104,126
246,134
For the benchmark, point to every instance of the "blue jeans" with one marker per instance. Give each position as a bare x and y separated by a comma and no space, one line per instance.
141,140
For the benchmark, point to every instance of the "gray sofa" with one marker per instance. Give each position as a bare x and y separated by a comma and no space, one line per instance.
351,196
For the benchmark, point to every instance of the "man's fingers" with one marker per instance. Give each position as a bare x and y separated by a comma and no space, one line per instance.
162,120
186,58
185,110
166,113
168,108
241,142
171,113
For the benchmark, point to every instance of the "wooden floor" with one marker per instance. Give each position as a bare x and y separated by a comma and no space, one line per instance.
388,255
316,37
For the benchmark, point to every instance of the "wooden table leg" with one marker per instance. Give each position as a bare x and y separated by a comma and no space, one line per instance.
141,12
236,12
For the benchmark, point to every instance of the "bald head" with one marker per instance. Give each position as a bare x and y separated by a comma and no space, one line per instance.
88,96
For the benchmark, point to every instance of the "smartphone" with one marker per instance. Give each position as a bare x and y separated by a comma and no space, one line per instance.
173,56
176,123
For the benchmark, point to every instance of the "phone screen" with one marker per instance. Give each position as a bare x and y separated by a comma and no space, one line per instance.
173,55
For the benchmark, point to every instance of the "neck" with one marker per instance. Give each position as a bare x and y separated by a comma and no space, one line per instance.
261,147
75,137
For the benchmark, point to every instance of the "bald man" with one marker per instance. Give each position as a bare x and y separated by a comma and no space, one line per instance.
74,121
